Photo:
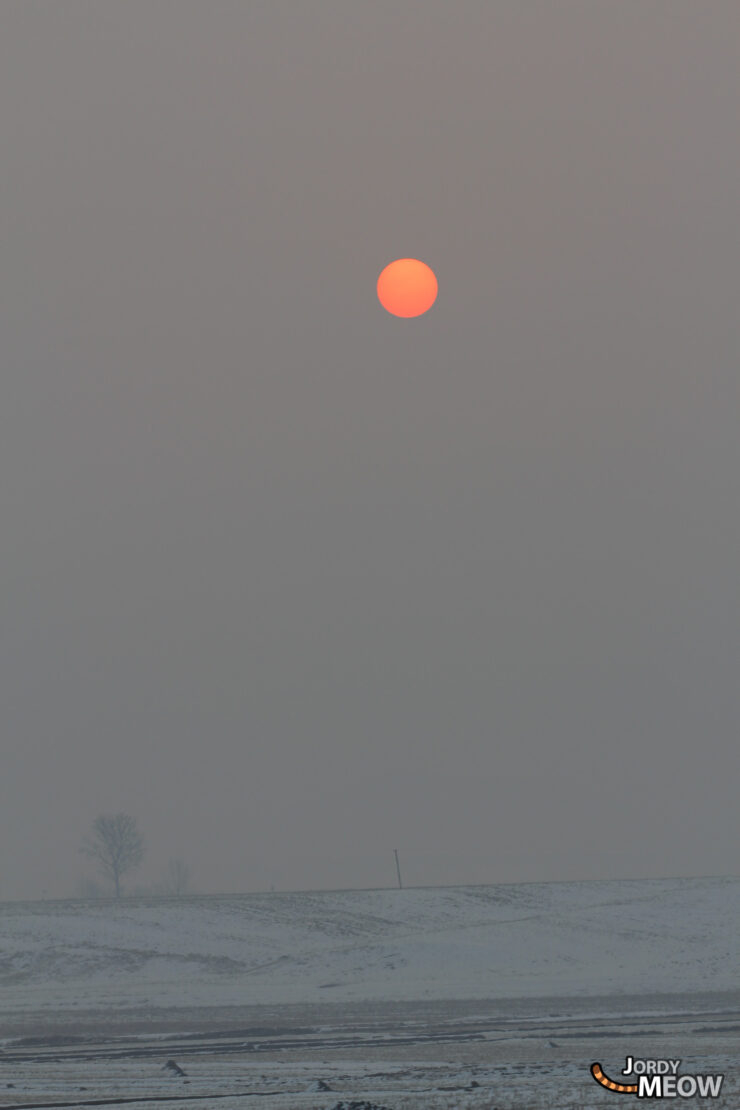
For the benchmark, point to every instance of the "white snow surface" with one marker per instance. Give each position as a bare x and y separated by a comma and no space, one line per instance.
590,938
458,998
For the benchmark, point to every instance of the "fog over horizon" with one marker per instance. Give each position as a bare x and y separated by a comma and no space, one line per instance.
294,582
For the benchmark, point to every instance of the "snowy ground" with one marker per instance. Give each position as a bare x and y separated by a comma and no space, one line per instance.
469,997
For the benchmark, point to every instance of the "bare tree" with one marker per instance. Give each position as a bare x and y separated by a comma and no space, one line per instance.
176,877
116,846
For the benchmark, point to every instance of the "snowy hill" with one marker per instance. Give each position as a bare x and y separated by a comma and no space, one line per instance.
508,941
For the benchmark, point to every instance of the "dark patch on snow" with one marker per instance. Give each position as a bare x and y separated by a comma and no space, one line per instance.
359,1106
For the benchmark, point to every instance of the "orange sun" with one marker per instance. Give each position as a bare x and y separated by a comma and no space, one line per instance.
407,287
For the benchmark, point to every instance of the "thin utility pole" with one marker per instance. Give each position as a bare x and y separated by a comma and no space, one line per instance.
398,869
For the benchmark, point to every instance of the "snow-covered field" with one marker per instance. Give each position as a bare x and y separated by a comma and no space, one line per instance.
474,997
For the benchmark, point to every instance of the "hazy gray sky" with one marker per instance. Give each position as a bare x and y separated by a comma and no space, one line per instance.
295,582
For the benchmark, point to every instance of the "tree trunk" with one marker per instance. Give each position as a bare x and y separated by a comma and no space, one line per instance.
118,888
